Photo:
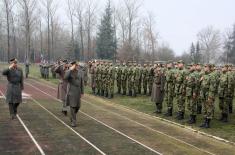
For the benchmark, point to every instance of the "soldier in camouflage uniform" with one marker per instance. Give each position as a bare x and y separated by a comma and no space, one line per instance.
135,79
92,74
199,73
150,78
145,78
119,78
223,92
180,89
106,79
111,79
208,91
169,89
231,77
98,78
124,77
140,78
102,80
130,81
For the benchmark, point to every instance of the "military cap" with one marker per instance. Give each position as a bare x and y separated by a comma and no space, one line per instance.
180,62
145,65
73,62
13,60
65,61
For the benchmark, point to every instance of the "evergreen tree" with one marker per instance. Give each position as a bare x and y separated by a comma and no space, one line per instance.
106,42
198,53
192,53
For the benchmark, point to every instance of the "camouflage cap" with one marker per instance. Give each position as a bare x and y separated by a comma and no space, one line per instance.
180,62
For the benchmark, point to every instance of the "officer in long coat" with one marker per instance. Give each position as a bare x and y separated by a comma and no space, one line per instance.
75,91
62,86
15,86
158,89
27,64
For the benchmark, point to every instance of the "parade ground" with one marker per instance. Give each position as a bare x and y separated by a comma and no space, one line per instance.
103,128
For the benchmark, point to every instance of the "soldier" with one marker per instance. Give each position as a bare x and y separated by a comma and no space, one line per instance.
46,71
223,92
75,91
140,78
92,73
119,78
150,78
53,73
102,79
98,78
62,86
106,80
169,89
111,78
145,78
135,79
231,78
41,69
208,92
191,94
124,77
158,89
180,89
130,80
15,86
27,64
85,73
199,74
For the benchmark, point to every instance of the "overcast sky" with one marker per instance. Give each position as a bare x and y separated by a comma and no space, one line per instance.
178,21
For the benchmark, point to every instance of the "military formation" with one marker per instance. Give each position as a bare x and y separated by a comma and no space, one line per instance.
193,87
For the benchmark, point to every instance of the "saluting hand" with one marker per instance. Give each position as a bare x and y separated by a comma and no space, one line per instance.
72,67
11,66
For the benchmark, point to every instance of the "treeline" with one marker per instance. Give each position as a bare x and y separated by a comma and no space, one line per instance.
34,30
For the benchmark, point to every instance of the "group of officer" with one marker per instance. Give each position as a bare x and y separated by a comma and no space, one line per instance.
44,70
129,78
194,86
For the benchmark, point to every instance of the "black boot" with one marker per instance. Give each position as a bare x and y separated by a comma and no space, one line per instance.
199,109
192,119
204,123
208,123
230,109
169,112
225,120
222,117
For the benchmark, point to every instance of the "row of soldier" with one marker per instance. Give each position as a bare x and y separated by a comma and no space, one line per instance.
193,87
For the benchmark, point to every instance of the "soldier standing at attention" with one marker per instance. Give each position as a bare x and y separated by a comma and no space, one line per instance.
223,92
135,79
180,89
27,64
62,86
15,86
158,89
150,78
145,78
124,77
169,89
140,78
97,78
111,79
75,91
208,94
130,83
93,76
119,78
231,77
199,74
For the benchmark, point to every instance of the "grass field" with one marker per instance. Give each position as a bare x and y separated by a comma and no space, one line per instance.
123,125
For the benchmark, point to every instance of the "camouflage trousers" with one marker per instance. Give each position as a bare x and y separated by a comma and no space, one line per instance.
110,87
168,99
191,105
180,100
224,105
124,83
208,108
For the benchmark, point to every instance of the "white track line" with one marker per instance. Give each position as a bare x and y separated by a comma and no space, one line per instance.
69,127
121,133
27,130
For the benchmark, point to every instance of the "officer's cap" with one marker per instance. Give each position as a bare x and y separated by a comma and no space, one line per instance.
73,62
13,60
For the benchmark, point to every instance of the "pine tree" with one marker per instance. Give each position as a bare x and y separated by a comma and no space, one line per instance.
192,53
198,53
106,42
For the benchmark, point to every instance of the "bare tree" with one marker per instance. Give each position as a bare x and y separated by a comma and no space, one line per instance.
71,14
210,42
122,20
28,7
8,10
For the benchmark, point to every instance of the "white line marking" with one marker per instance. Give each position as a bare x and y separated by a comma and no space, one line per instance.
101,122
27,130
68,127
